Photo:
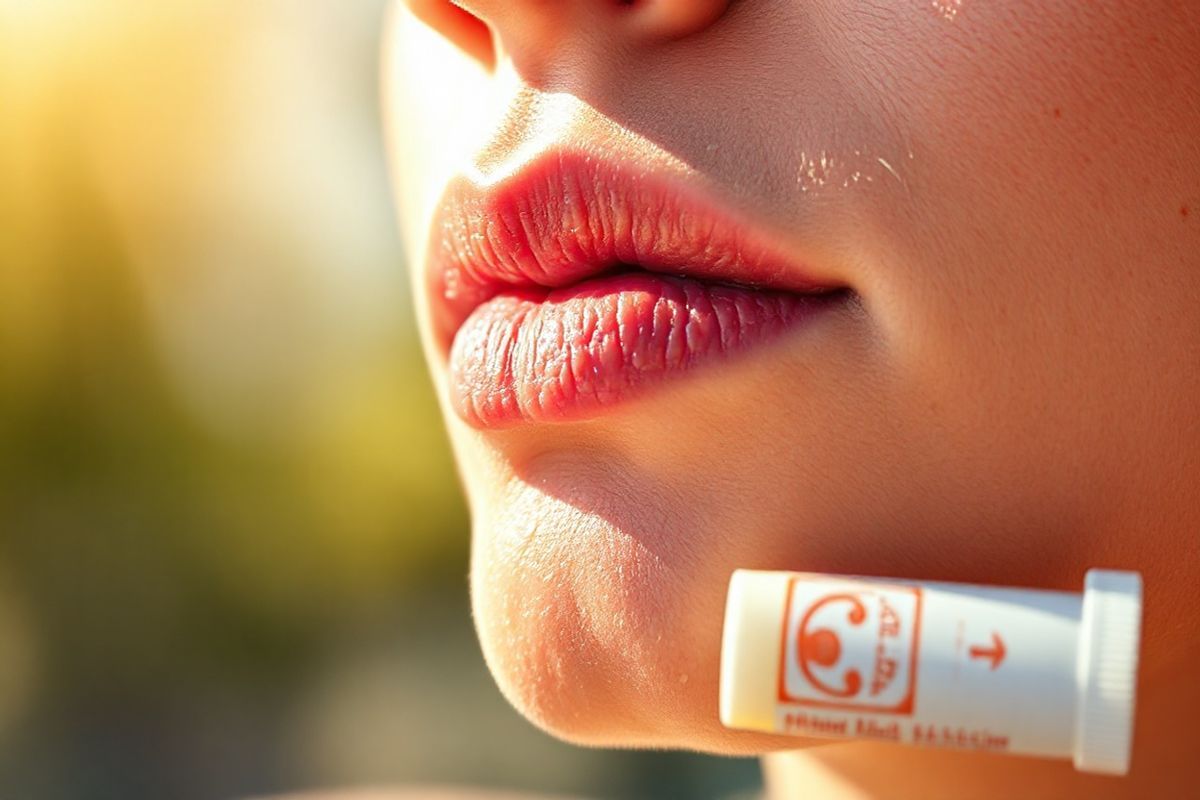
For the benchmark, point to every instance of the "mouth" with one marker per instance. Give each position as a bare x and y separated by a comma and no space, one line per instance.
578,283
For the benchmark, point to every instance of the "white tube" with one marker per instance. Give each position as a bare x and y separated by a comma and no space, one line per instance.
1020,671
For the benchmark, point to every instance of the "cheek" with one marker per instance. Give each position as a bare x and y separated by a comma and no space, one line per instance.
1026,121
1051,147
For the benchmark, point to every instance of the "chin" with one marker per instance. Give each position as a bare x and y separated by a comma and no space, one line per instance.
597,633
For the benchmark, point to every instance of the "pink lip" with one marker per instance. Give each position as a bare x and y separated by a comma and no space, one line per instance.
578,282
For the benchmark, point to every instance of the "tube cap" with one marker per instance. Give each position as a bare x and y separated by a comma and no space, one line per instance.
1106,671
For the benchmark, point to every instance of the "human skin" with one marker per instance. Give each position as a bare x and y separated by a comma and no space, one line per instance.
1011,398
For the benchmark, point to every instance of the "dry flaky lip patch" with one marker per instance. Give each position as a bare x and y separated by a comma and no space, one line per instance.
559,355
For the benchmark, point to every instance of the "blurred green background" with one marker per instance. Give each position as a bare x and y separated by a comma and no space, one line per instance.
232,545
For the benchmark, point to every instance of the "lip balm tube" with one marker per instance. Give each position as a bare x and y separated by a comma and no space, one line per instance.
1018,671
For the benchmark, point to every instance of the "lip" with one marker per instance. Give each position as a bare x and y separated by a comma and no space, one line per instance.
577,282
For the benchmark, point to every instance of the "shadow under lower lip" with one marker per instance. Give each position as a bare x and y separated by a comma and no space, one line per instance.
586,347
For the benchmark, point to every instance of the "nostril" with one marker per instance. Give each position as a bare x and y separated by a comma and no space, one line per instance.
462,28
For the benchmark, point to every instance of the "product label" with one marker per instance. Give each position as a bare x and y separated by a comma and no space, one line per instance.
850,645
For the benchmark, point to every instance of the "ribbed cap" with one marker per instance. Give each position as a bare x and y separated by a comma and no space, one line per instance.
1106,672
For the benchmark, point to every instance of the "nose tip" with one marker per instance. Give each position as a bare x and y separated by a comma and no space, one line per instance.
538,33
673,18
531,30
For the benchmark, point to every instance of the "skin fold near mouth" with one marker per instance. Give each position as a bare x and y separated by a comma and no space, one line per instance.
556,355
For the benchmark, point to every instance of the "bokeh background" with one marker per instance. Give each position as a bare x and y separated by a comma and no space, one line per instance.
232,546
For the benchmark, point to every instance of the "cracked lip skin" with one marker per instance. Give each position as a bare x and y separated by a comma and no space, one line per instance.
577,282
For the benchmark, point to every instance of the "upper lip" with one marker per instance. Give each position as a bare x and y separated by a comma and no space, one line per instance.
566,216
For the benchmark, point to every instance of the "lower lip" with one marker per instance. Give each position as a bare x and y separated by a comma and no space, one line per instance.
567,354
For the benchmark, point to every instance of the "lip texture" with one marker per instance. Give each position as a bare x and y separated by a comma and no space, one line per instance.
577,282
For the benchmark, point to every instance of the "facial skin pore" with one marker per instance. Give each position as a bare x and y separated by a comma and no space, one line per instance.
1012,192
